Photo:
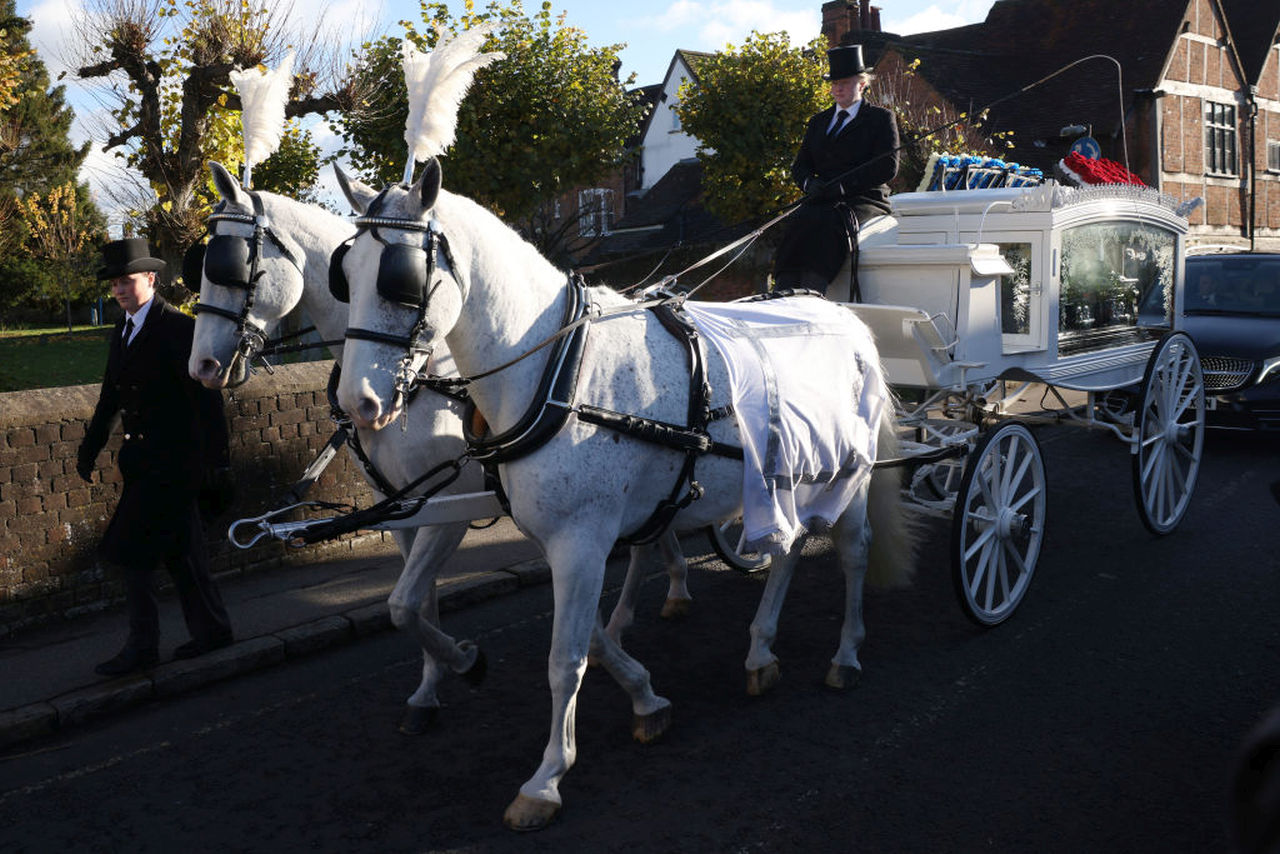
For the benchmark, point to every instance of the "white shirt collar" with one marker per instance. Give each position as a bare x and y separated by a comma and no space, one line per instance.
139,317
852,109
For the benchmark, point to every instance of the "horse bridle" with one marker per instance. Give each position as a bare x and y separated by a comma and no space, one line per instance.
247,252
398,264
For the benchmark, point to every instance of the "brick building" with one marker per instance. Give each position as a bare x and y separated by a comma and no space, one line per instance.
1186,92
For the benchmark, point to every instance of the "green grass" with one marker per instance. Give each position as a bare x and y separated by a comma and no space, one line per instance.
33,358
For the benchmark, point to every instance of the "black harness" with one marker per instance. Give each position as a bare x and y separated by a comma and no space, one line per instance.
231,261
553,404
406,277
553,400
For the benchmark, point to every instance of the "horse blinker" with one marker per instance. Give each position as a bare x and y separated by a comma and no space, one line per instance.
338,285
193,267
402,275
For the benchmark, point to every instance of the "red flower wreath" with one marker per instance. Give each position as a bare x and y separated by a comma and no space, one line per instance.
1085,170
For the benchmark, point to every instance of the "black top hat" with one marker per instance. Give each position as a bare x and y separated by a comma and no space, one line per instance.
845,61
131,255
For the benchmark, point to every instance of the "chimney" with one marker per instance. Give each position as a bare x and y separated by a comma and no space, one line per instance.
844,17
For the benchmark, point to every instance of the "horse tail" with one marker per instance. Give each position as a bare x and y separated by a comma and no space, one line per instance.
892,559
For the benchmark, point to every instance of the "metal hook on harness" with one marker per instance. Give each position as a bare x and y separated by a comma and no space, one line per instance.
265,523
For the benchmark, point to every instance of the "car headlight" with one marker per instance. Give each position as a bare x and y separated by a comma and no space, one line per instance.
1270,369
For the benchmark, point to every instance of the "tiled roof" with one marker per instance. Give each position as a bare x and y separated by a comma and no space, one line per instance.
1253,24
693,59
1022,42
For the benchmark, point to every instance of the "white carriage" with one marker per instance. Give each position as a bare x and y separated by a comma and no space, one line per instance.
974,296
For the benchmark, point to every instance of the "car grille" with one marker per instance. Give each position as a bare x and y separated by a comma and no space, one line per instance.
1224,373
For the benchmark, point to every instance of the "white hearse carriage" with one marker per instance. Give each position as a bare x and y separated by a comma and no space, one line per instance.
975,294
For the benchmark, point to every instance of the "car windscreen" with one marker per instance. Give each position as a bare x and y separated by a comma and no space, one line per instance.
1233,284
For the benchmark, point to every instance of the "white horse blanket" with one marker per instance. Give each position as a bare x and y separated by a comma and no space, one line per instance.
808,402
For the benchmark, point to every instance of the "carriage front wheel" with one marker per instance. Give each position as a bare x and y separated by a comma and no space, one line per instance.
997,525
727,539
1170,433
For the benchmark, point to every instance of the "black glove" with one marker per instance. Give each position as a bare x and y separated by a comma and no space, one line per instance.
217,492
826,191
84,467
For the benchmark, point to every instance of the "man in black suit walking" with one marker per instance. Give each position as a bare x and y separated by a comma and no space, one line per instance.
848,157
175,435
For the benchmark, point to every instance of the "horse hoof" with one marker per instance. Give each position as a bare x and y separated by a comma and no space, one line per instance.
761,680
525,813
479,668
842,677
418,719
676,609
649,728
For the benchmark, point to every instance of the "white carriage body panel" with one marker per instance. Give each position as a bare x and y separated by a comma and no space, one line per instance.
1042,283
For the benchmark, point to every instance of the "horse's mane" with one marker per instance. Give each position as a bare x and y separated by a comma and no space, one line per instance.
514,251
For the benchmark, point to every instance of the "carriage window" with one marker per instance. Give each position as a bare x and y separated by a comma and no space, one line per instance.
1113,272
1015,290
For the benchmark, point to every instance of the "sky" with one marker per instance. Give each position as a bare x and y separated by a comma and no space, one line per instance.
652,31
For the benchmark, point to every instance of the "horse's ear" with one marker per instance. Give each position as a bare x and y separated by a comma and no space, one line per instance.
428,187
227,186
358,194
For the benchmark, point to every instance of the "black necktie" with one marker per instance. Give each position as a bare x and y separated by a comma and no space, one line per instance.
128,330
840,117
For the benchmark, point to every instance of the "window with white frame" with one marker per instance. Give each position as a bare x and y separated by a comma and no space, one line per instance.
595,212
1219,138
1273,155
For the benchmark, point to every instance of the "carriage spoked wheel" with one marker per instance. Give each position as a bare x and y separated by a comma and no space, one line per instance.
1170,433
727,539
997,524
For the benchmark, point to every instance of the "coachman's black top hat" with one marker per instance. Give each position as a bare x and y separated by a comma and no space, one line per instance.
131,255
845,61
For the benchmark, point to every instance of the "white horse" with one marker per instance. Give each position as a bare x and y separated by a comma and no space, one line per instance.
294,270
493,299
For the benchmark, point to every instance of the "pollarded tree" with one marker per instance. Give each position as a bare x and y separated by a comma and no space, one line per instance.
550,117
166,66
748,110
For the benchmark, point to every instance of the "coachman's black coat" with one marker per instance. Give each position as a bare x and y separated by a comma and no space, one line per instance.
851,171
174,432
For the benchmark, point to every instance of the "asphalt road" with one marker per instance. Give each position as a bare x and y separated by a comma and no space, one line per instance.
1104,717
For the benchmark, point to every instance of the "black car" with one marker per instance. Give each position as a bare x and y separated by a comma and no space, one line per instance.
1232,312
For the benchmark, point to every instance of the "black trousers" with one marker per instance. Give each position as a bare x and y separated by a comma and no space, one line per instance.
202,607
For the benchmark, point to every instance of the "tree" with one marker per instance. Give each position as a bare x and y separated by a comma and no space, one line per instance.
550,117
36,157
748,110
64,231
927,123
175,109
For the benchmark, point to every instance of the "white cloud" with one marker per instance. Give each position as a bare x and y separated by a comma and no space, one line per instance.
53,34
719,23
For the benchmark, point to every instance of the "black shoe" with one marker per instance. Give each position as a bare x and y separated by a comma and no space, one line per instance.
193,648
128,661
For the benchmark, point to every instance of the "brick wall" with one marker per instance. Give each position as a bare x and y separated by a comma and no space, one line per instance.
51,520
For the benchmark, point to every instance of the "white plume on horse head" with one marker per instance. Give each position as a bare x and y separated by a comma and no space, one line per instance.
437,83
263,96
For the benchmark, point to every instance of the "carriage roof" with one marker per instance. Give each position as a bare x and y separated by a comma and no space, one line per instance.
1069,286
